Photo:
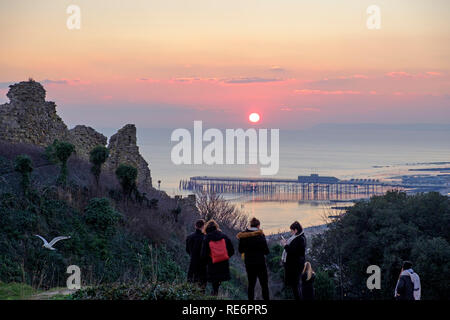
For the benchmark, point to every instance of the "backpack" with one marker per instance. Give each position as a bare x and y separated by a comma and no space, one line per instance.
218,250
416,283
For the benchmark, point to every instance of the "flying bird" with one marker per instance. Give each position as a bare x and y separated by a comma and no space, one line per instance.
52,243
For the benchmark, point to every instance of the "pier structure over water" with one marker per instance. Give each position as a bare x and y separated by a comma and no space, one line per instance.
312,187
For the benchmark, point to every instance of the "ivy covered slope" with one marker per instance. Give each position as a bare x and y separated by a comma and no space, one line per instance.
100,244
117,235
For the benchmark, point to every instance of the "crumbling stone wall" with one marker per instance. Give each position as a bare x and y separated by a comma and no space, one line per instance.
123,149
85,139
28,118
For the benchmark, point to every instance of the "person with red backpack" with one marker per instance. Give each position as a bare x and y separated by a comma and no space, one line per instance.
217,250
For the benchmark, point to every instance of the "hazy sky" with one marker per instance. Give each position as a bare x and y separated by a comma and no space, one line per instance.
298,63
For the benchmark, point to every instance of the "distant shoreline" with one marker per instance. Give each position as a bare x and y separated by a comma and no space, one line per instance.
309,232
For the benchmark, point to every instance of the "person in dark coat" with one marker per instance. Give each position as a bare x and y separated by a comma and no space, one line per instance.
293,258
197,268
308,277
408,284
217,272
253,245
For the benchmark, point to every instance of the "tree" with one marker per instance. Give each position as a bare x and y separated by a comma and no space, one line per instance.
127,176
212,205
98,157
24,166
59,152
431,261
385,231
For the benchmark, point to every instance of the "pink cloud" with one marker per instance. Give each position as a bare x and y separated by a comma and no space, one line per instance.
402,74
399,74
192,80
249,80
63,81
147,80
277,69
355,76
432,73
326,92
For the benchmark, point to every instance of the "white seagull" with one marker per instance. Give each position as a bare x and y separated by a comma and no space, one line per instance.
52,243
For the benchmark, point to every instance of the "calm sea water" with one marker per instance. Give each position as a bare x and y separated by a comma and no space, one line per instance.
355,151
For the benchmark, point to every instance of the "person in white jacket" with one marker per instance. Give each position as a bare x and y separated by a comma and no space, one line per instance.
408,284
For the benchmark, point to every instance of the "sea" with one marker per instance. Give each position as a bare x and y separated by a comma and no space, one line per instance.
345,151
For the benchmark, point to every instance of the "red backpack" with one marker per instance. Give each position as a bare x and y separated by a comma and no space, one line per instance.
218,250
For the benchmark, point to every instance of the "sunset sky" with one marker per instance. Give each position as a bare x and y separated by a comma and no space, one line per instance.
167,63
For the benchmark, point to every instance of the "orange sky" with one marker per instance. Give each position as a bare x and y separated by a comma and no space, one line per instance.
298,63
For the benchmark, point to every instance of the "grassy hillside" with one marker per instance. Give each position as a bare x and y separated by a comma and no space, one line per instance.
114,239
16,291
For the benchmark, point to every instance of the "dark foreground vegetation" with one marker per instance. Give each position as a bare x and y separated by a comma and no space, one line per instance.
118,234
382,231
129,244
385,231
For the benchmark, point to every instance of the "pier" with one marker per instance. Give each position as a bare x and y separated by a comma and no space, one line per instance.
312,187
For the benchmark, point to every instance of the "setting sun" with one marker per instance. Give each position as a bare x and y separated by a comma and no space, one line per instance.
254,117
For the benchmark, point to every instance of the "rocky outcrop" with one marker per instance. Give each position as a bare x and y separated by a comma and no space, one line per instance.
28,118
85,139
123,149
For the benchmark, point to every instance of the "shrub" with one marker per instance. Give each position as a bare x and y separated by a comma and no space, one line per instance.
97,157
324,286
149,291
24,166
101,216
59,152
127,176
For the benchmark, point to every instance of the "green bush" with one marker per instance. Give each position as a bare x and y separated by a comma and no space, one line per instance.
385,231
98,157
100,245
24,166
59,152
148,291
127,176
101,216
324,286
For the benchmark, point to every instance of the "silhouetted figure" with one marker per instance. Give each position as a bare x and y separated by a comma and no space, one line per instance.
197,267
308,277
217,250
294,258
253,245
408,284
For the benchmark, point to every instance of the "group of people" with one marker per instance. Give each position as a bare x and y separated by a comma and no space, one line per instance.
210,250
